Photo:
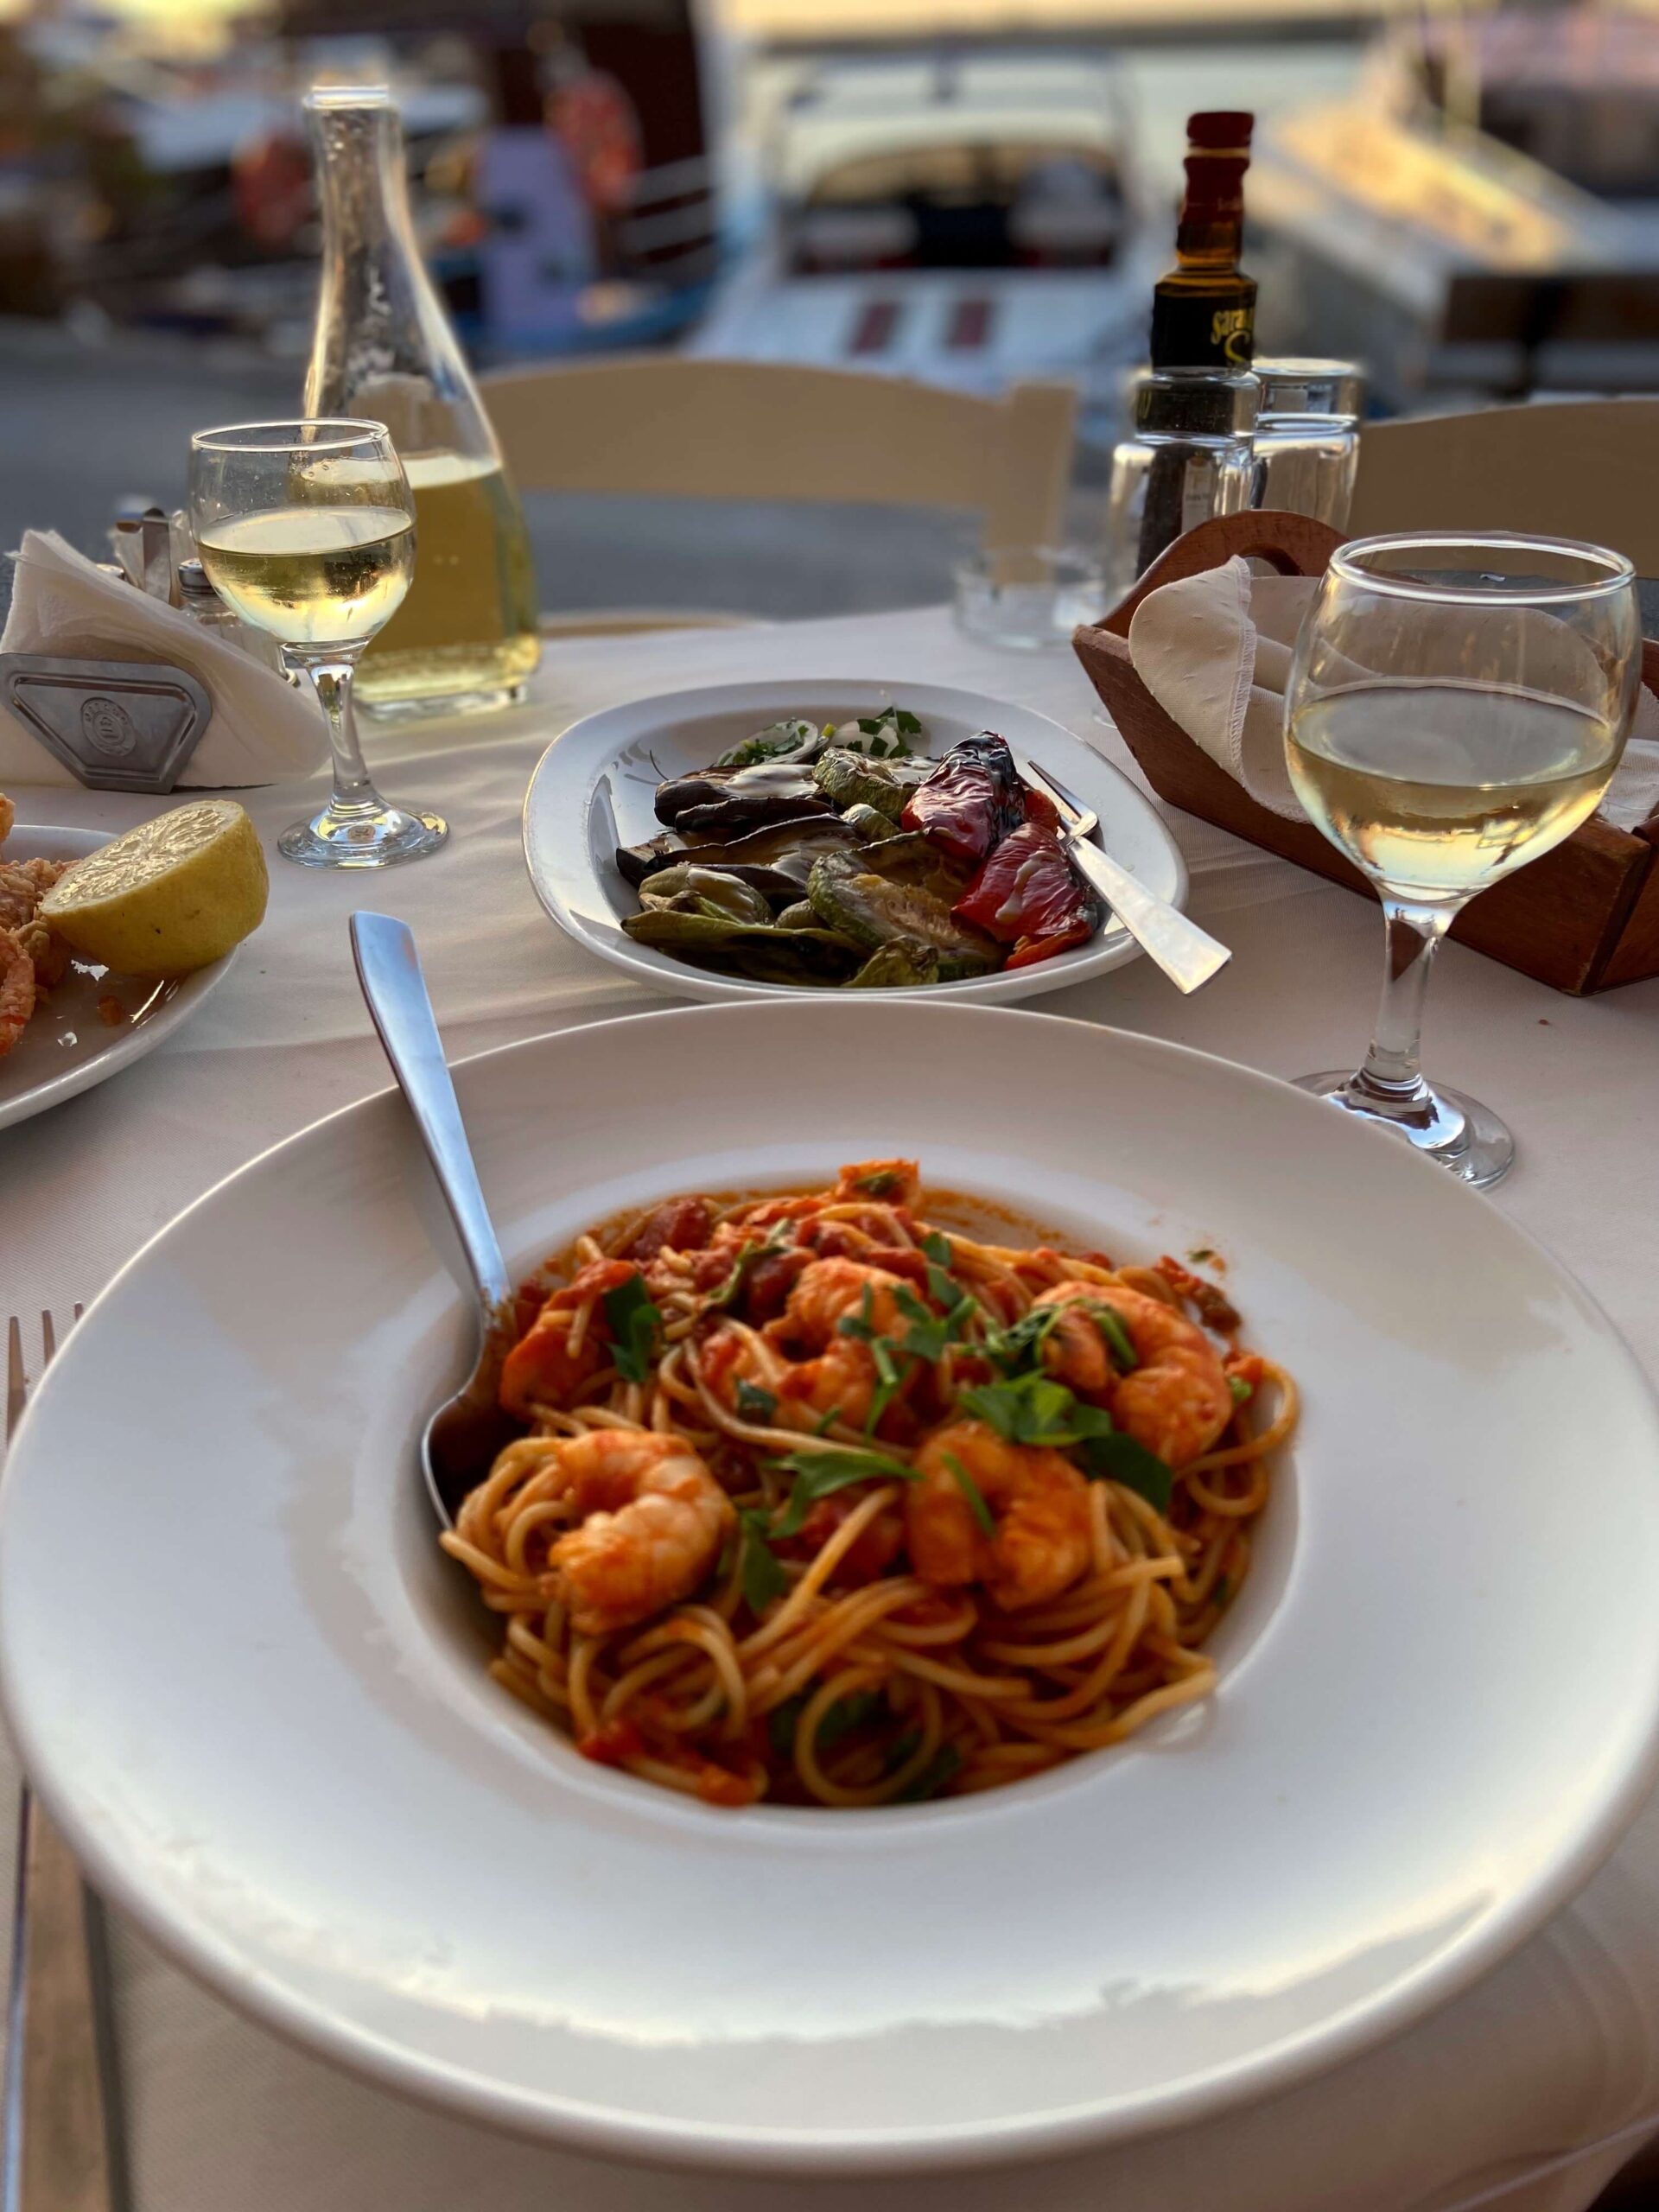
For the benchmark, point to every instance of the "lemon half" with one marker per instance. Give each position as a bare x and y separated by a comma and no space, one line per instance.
167,897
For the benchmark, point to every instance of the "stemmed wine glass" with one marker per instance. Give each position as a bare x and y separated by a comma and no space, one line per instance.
308,530
1457,706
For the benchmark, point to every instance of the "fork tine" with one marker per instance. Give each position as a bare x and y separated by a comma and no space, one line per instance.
48,1339
16,1380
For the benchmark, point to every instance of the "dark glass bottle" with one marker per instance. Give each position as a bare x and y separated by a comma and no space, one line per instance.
1203,311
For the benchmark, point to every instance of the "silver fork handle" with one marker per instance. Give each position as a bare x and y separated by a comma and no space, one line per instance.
1187,955
389,969
59,2153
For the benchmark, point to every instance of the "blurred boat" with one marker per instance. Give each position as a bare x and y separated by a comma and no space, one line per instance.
1480,217
967,218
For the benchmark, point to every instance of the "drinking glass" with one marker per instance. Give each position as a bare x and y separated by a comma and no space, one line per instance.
307,531
1457,706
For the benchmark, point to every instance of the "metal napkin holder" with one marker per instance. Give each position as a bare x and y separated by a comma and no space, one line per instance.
118,725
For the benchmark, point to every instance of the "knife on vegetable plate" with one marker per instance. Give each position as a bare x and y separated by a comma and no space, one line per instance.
1187,955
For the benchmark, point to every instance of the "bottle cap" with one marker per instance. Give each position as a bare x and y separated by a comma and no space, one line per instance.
1217,131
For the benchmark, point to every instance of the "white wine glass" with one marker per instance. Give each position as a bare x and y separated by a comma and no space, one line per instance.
1457,706
308,530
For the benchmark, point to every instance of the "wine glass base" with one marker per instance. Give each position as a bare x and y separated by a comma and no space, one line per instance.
1462,1135
375,836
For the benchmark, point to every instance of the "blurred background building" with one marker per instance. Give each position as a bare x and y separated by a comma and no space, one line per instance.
1464,198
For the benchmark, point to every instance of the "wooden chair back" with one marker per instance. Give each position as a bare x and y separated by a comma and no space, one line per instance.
1565,468
674,426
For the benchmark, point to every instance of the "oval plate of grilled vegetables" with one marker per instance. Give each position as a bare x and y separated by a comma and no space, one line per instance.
750,838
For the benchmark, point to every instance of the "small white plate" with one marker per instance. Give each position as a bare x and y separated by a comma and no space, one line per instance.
68,1046
254,1692
595,787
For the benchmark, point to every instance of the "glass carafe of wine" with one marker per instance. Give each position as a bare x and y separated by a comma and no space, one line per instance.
465,637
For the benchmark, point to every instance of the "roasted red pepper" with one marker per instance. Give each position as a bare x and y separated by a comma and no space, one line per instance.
1029,895
970,802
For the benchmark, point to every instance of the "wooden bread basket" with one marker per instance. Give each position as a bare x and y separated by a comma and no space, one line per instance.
1585,918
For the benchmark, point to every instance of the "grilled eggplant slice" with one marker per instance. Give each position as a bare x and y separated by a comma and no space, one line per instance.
764,954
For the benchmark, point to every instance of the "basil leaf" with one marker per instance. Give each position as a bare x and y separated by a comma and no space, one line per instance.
971,1491
633,1322
755,1404
1123,1460
762,1578
940,1769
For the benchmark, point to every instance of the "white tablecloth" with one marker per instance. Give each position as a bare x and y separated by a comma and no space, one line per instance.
1558,2047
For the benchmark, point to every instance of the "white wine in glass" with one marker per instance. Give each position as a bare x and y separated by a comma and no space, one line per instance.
313,575
1457,707
308,530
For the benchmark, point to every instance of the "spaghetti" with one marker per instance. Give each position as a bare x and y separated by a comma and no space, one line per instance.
825,1503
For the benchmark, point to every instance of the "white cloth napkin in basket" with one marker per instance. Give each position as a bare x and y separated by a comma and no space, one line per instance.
263,731
1214,650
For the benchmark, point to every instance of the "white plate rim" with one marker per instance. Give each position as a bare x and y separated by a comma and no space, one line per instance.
126,1046
1113,948
1278,2066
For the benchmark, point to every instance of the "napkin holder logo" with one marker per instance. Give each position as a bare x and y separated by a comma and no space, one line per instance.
118,725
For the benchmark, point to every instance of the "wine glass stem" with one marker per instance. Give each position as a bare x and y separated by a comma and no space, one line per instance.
1393,1070
330,678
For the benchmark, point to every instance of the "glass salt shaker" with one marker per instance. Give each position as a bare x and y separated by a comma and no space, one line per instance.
1307,437
203,605
1190,455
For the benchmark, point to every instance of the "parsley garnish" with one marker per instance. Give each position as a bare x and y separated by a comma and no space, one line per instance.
1242,1391
936,1249
881,1184
818,1474
860,1324
633,1322
755,1404
940,1769
888,1382
759,1573
1109,1322
1223,1591
1123,1460
845,1715
971,1491
1033,1409
1016,1348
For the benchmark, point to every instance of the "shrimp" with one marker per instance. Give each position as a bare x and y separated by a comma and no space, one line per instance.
1176,1401
1036,1498
840,1375
16,991
541,1369
23,884
653,1521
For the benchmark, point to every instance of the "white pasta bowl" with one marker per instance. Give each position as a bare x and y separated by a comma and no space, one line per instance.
254,1692
594,788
